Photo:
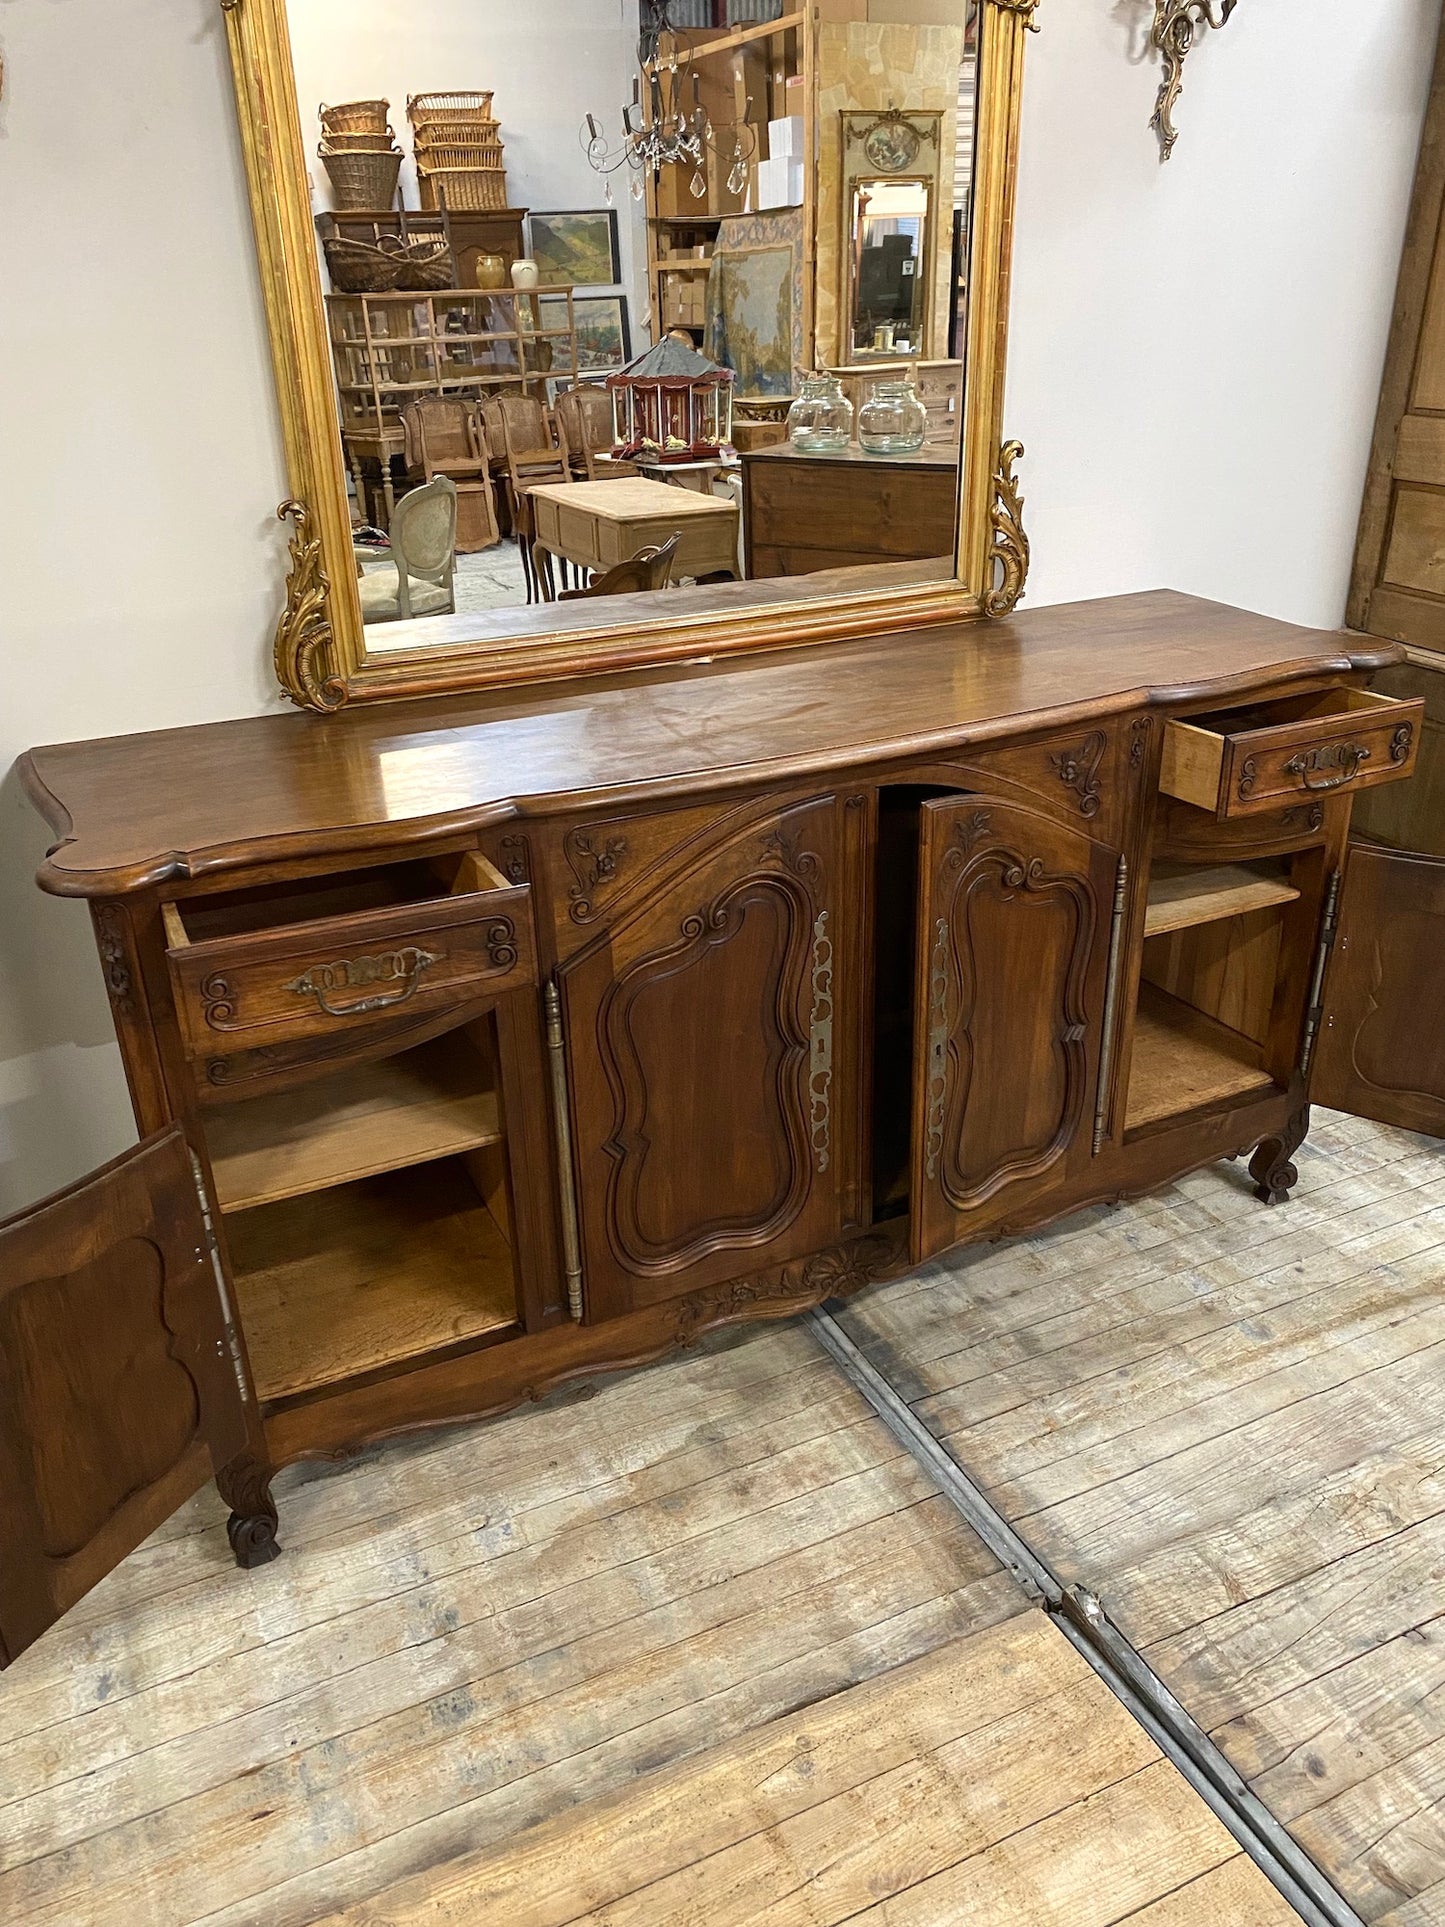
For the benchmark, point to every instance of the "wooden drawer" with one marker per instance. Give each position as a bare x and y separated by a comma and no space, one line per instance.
1247,763
242,982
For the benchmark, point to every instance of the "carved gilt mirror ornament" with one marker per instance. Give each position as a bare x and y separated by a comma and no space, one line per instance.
326,656
1175,24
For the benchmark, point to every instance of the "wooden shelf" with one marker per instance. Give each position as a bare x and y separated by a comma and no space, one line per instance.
1184,1061
1182,896
369,1274
427,1103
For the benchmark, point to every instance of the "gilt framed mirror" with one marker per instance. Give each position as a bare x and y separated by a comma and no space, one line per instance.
546,286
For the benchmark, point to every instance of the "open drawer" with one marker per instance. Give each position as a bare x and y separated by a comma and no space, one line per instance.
260,968
1248,762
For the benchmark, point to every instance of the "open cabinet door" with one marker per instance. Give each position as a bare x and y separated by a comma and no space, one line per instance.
1381,1050
122,1389
1014,918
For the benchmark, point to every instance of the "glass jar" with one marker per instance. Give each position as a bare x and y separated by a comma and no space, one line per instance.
893,421
822,416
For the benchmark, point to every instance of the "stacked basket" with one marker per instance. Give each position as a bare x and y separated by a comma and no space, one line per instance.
360,154
458,152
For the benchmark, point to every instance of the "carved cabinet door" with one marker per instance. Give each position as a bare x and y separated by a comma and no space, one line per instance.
1012,958
712,1065
121,1383
1381,1048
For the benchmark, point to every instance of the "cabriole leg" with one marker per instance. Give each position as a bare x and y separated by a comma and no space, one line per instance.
245,1485
1272,1168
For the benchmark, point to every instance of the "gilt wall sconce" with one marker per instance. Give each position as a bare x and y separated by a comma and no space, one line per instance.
1175,25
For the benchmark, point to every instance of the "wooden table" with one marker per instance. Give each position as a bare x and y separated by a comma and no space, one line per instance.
379,445
596,525
803,512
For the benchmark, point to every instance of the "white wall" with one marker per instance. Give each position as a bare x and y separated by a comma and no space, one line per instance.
1196,356
1197,348
549,64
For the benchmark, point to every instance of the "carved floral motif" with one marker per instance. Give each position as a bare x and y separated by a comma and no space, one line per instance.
826,1274
1010,550
1078,770
595,861
110,937
304,635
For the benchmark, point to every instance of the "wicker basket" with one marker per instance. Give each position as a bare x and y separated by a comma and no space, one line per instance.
445,133
356,117
464,190
423,109
389,265
363,180
485,156
358,143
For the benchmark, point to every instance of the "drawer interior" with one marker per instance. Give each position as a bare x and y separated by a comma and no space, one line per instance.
1291,709
275,906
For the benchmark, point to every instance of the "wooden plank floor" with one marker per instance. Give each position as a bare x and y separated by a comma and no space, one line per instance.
1230,1422
996,1782
467,1635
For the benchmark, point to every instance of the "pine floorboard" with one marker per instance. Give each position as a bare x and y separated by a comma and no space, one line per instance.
996,1781
1230,1422
469,1634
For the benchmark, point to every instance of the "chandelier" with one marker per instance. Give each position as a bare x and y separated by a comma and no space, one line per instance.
665,124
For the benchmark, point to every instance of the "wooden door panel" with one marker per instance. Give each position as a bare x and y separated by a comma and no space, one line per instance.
1381,1051
1014,921
1398,588
700,1038
121,1389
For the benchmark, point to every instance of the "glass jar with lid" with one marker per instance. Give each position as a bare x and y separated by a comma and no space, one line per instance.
822,416
893,421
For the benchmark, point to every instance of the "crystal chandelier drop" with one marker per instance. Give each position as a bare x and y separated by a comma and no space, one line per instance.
665,124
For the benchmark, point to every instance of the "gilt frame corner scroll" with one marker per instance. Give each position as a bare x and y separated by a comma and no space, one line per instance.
321,655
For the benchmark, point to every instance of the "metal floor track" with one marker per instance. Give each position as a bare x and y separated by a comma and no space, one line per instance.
1082,1619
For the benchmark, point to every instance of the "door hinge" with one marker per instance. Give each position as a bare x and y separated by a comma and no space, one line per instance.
213,1251
1329,927
562,1122
1102,1103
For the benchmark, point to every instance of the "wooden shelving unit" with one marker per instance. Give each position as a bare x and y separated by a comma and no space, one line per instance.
389,349
425,1104
1184,1060
734,68
355,1278
672,276
1182,896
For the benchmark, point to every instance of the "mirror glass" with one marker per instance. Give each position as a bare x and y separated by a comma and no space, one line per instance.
631,300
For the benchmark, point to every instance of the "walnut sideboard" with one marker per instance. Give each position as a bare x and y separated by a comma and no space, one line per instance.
483,1043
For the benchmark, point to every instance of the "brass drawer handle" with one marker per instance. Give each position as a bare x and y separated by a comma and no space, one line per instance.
403,966
1340,762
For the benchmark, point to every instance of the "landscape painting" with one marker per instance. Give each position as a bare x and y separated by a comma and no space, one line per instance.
604,340
576,250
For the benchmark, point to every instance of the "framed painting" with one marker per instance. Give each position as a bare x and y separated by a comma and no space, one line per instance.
604,339
750,317
576,249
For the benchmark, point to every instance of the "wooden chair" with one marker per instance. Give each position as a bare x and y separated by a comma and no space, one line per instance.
585,424
650,568
444,436
534,455
424,550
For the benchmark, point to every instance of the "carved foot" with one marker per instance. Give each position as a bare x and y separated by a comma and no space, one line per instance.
1271,1168
251,1528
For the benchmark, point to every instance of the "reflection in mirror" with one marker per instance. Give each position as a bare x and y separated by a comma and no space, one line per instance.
636,298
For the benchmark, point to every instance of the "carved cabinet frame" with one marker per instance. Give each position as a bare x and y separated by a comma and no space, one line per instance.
321,656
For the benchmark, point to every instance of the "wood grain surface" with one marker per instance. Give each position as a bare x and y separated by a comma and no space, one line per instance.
136,810
1231,1424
